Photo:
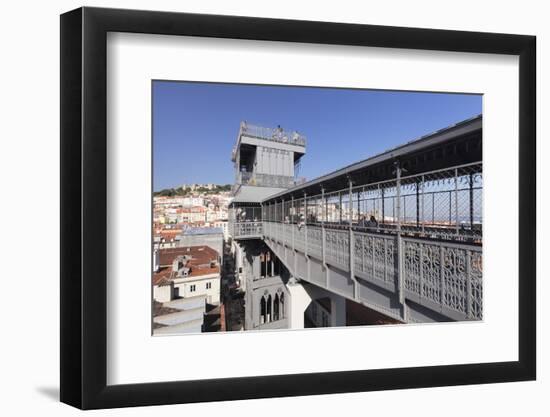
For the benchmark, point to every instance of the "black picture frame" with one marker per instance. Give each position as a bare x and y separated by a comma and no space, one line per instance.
84,207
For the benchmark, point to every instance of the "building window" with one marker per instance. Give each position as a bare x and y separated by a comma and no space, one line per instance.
324,319
192,288
208,285
262,310
276,308
269,316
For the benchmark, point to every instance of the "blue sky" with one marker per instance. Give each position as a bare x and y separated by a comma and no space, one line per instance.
195,124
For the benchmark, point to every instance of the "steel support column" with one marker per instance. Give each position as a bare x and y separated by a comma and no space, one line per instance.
399,241
352,243
305,224
323,238
471,201
292,222
456,203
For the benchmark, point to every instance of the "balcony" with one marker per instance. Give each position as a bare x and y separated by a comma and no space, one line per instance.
273,134
246,230
264,180
416,237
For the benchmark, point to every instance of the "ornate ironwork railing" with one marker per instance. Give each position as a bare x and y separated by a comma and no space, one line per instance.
443,275
375,256
246,229
420,235
275,134
446,274
264,180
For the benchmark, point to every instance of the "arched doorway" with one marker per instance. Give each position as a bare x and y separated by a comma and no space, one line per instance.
269,316
276,308
263,311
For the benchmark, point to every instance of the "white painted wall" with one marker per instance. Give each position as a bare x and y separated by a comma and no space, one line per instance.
162,293
184,286
299,301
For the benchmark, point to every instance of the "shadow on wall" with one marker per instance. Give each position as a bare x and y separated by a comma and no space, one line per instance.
50,392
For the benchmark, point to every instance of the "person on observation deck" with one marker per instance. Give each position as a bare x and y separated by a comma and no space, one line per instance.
301,221
372,222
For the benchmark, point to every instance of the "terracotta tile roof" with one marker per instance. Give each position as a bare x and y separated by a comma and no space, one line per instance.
162,277
200,263
168,235
200,255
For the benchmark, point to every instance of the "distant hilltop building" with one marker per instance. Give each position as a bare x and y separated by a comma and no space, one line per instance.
194,187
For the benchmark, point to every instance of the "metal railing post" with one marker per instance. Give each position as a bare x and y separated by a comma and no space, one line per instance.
421,269
262,219
378,208
450,208
433,209
456,202
399,242
398,192
323,249
292,223
326,208
305,224
352,243
422,205
468,285
340,206
282,222
442,274
383,205
471,202
417,204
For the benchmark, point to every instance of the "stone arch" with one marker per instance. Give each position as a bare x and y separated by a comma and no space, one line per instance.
276,307
269,309
263,310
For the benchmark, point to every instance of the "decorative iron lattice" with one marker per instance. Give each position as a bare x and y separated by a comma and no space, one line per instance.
288,233
279,232
454,276
315,241
337,247
374,256
436,217
265,180
412,266
476,286
246,229
446,274
299,238
431,272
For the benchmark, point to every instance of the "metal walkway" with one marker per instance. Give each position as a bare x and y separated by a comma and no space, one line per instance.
400,232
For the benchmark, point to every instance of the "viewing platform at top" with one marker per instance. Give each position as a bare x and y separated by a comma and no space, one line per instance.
266,160
249,132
